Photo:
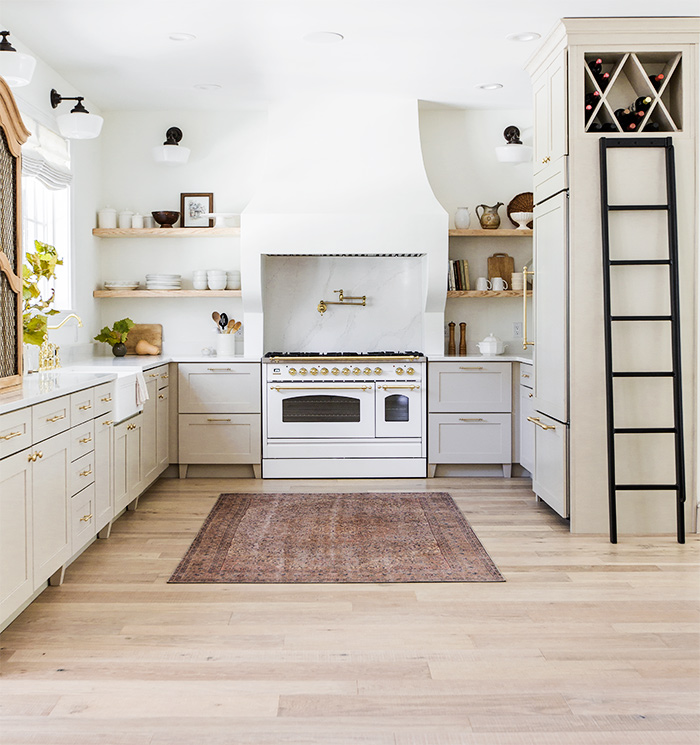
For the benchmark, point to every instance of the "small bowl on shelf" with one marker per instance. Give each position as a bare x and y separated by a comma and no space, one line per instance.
165,218
522,218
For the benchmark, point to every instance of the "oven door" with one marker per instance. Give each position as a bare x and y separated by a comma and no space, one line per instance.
399,409
320,409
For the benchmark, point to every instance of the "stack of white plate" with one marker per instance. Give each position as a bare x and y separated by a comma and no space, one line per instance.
163,281
122,284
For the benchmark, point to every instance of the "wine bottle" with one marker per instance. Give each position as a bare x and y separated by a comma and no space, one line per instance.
596,66
657,80
590,102
603,80
595,127
609,127
626,119
641,105
651,127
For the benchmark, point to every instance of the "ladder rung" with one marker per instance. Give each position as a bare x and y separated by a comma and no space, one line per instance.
639,262
644,430
627,207
643,374
641,318
646,487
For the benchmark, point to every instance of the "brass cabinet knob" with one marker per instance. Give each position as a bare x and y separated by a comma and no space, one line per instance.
85,439
106,399
85,473
86,518
107,422
85,407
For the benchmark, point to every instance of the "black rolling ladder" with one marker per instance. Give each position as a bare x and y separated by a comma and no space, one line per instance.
673,319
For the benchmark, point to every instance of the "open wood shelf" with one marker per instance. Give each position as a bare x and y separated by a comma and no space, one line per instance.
499,233
487,293
166,293
165,232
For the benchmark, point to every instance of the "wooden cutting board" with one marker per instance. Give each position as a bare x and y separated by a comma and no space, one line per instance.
501,265
151,332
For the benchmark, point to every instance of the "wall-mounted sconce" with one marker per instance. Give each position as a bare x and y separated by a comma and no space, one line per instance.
16,68
514,151
170,153
322,306
80,124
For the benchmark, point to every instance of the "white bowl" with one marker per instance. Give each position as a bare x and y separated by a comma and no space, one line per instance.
522,218
217,284
200,284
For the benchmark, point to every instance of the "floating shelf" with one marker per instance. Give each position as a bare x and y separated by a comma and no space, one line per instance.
165,232
500,233
166,293
487,293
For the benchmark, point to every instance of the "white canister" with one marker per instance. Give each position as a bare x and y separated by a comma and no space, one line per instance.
226,345
148,221
125,218
137,221
462,218
107,218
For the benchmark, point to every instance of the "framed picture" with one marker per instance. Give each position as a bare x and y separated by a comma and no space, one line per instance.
194,209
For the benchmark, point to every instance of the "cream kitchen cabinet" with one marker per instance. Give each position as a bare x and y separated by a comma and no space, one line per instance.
469,414
550,475
219,419
526,427
154,435
127,467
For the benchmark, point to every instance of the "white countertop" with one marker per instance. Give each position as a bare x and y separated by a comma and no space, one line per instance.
524,357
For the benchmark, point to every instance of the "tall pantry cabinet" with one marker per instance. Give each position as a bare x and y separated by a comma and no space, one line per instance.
569,358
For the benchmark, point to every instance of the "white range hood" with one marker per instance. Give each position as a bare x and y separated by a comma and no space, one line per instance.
345,177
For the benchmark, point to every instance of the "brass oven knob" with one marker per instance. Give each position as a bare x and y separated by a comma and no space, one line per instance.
303,371
314,371
378,371
324,371
346,371
367,371
335,371
410,371
292,371
399,370
356,371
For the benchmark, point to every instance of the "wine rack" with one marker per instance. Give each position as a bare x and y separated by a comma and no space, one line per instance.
627,77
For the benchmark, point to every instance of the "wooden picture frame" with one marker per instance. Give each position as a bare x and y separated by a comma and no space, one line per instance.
193,210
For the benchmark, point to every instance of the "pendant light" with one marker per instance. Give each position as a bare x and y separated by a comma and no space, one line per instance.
514,151
170,153
16,68
80,124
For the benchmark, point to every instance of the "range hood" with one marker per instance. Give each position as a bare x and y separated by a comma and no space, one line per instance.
344,177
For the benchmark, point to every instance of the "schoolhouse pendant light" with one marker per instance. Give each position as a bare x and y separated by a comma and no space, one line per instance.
80,124
514,151
170,153
16,68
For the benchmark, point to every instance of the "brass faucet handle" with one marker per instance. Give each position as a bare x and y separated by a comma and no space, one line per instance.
340,295
322,307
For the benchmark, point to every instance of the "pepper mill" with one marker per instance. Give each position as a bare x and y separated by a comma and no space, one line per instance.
462,339
451,343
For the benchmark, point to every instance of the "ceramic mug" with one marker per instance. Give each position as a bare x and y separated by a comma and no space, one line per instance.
483,284
499,284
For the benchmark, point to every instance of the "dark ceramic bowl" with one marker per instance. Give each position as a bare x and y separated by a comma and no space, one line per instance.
166,219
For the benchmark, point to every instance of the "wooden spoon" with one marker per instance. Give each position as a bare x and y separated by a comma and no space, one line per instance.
236,326
229,326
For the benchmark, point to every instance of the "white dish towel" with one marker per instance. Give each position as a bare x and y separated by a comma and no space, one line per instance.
141,389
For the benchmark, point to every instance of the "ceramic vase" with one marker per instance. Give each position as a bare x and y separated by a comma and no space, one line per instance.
119,350
462,218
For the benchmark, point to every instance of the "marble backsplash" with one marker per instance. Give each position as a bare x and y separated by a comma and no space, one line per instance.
391,320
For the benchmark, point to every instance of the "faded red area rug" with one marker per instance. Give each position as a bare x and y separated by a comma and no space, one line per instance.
324,538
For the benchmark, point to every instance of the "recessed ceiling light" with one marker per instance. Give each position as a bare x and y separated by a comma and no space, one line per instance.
323,37
207,86
181,36
490,86
523,36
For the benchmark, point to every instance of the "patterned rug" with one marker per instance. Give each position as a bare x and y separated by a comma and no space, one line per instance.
321,538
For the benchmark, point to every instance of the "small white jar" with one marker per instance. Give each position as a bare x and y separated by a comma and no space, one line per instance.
125,219
137,221
107,218
148,221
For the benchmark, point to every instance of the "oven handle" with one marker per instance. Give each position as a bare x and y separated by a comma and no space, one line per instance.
399,387
321,387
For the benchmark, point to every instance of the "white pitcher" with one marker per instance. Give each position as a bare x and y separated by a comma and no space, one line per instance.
462,218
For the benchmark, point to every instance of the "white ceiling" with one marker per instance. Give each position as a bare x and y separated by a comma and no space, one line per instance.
118,55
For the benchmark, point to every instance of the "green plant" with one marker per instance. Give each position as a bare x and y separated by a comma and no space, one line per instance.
38,266
117,334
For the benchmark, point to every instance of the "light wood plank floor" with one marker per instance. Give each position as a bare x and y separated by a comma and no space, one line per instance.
586,643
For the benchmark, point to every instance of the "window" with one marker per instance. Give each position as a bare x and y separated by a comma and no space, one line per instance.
46,205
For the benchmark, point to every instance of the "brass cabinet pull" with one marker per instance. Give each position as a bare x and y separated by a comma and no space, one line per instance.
10,435
131,426
152,375
535,420
219,420
56,418
161,396
164,376
526,343
31,457
219,369
524,375
399,387
472,420
546,160
85,473
106,399
86,518
530,395
471,368
85,407
107,422
86,439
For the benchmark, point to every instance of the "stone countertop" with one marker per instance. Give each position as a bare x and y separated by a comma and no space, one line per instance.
524,357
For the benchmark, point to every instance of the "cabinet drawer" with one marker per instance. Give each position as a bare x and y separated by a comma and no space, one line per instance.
469,387
82,440
551,476
82,473
221,388
50,417
226,438
160,373
455,438
104,398
82,518
82,406
15,431
527,375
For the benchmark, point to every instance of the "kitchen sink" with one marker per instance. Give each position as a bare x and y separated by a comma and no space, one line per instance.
125,386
